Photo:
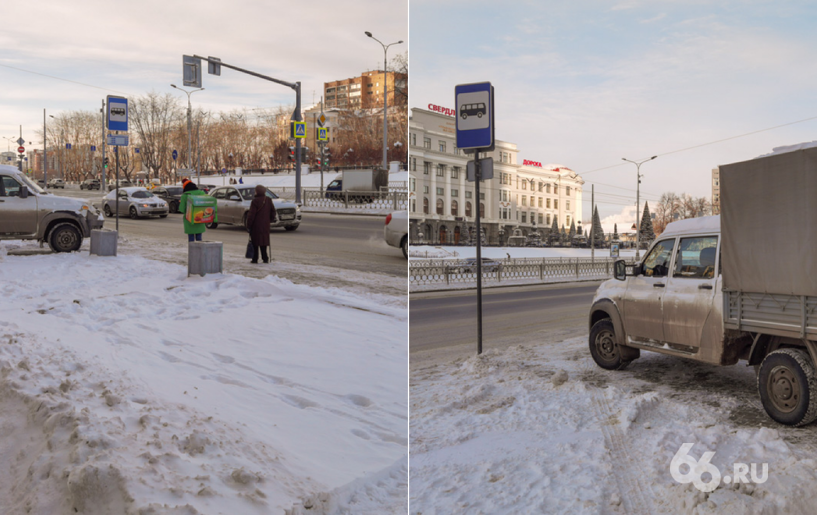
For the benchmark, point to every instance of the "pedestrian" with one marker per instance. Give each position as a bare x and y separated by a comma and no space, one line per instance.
193,230
241,180
261,215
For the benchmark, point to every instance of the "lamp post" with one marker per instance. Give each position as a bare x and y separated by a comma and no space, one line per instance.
385,97
637,202
189,123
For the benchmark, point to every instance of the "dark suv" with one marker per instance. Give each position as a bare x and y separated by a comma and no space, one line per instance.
170,194
90,184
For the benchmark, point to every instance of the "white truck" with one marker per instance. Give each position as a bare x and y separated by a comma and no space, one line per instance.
739,286
364,184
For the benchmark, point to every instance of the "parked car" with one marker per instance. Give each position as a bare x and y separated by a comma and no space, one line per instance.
234,204
135,202
395,231
90,184
470,265
27,212
170,194
123,183
56,183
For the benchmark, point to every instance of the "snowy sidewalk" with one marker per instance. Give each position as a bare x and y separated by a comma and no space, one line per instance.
501,433
127,387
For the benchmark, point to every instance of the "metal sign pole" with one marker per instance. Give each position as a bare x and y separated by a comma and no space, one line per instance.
478,175
116,151
102,164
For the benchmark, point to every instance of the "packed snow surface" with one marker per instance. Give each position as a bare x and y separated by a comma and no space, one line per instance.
539,428
128,387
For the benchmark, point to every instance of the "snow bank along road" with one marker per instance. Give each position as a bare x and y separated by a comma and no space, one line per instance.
126,387
502,433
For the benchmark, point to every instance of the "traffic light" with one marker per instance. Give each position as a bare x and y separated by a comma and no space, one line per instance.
326,155
105,162
304,154
292,154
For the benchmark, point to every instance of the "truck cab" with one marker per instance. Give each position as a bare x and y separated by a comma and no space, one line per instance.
669,302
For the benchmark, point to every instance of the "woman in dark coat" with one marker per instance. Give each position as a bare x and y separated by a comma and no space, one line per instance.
262,213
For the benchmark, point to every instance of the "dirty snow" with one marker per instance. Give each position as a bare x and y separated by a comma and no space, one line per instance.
127,387
539,428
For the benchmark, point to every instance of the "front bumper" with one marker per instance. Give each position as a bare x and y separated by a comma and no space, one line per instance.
151,211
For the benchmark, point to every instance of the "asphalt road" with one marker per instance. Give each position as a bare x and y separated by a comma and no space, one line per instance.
326,249
444,325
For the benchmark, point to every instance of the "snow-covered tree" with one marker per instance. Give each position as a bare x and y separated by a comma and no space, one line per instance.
646,233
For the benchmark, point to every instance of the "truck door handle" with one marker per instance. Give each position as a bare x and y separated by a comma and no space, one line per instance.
658,285
704,286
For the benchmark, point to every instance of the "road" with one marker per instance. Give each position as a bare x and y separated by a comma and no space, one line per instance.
443,325
326,250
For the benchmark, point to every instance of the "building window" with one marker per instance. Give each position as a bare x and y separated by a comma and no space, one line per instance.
567,205
413,164
440,191
555,203
440,170
547,187
547,219
524,200
426,142
540,187
455,193
524,185
425,206
456,151
426,167
468,209
547,203
482,195
440,206
567,219
541,218
555,189
468,194
540,201
413,139
455,172
481,208
413,183
454,208
524,217
425,189
442,146
567,191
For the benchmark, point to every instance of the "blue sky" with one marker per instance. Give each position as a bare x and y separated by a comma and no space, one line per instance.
131,48
586,83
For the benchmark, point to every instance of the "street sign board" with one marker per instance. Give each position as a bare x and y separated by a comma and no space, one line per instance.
67,146
21,149
21,141
191,71
117,113
323,134
475,116
93,148
321,120
175,155
118,140
486,167
214,68
136,150
299,129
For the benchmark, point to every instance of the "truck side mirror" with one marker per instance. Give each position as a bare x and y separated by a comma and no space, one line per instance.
620,270
23,191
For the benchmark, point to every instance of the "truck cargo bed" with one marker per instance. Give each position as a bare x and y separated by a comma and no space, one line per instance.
771,313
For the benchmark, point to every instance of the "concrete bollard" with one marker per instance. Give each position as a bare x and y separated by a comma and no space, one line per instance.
103,242
204,257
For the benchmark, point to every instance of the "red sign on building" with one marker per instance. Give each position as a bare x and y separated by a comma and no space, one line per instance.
442,110
531,163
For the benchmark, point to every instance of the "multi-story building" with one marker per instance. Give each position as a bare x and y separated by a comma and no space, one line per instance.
716,191
443,204
364,92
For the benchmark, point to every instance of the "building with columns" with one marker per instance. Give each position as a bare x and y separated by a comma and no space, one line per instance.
523,193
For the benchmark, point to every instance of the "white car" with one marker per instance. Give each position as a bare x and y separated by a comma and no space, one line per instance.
135,202
396,230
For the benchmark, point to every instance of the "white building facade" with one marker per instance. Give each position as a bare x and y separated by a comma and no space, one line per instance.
523,193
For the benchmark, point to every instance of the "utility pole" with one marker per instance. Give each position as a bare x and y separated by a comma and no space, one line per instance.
637,202
385,96
45,150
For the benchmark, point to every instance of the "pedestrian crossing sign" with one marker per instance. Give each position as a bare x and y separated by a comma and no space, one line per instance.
299,129
322,136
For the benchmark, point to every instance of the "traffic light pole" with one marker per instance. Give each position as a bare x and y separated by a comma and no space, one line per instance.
296,116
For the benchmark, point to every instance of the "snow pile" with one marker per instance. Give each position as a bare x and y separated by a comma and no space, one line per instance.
789,148
542,429
127,387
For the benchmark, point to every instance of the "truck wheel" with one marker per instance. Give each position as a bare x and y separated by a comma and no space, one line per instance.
604,348
404,246
788,387
65,237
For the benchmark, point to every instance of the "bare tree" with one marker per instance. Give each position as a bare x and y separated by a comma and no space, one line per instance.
154,117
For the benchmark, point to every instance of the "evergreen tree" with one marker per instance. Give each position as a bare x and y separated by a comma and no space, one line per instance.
615,231
572,233
646,232
554,230
598,235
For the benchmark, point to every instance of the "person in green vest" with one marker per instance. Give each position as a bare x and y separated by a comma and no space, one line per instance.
192,230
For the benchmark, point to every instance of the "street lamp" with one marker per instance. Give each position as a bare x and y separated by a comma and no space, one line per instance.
385,97
189,124
637,202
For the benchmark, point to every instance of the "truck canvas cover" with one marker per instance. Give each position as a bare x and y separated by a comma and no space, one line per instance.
769,224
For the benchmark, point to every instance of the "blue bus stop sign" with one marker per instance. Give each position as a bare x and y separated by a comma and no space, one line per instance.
175,155
475,116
